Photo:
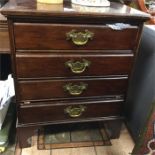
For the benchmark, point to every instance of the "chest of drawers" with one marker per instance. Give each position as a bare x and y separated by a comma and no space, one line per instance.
69,65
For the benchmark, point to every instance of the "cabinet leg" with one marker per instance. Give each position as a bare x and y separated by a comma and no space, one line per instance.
24,135
113,128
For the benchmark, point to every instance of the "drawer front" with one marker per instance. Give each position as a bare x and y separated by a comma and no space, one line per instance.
71,88
69,112
65,36
64,65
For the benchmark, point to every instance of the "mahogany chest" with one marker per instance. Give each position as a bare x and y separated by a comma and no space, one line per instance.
71,63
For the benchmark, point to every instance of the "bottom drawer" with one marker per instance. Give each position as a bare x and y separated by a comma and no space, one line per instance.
69,112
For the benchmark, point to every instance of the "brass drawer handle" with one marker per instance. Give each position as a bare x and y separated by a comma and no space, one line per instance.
75,111
27,102
75,90
78,67
79,38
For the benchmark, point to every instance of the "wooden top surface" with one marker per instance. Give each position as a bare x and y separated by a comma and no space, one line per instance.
2,18
33,8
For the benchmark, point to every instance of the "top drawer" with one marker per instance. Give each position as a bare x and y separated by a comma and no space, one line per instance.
40,36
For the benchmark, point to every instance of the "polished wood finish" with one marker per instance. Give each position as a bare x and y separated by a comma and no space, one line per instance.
44,65
4,36
33,9
25,134
56,113
53,36
40,49
54,89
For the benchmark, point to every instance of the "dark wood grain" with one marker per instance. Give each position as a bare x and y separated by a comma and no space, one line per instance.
39,50
24,135
50,89
56,112
53,65
21,8
53,36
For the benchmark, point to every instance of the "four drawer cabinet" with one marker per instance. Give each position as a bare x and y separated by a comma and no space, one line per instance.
71,65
